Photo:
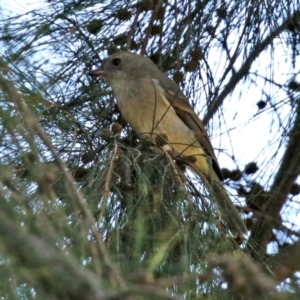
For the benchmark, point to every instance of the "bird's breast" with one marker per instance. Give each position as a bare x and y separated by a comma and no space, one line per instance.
144,106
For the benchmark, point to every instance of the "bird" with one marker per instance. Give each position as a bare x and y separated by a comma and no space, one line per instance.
154,106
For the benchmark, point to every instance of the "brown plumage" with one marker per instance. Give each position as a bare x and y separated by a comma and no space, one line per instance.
153,105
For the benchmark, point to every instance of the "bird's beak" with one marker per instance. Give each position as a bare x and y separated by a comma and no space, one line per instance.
97,73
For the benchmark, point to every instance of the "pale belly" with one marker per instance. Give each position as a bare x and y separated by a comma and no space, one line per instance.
150,121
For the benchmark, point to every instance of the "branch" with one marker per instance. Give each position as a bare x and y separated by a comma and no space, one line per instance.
286,262
284,179
77,197
51,268
244,70
244,277
148,30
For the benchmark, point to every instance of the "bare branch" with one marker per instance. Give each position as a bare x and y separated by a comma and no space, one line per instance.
244,70
284,179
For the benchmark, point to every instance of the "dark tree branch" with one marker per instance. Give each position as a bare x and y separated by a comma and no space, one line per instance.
148,31
284,179
285,262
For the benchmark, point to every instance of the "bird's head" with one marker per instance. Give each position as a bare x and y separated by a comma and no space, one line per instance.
125,66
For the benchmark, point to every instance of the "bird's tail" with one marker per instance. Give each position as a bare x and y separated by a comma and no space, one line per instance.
227,209
229,212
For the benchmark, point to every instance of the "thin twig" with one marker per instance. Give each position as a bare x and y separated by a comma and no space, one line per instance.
244,70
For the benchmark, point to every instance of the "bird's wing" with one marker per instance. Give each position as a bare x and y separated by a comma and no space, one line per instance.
186,113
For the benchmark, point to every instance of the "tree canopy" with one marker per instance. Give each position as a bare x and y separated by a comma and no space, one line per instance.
90,211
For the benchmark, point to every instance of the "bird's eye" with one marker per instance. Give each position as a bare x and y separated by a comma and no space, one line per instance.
116,62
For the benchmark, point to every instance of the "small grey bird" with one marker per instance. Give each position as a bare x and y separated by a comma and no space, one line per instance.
154,105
